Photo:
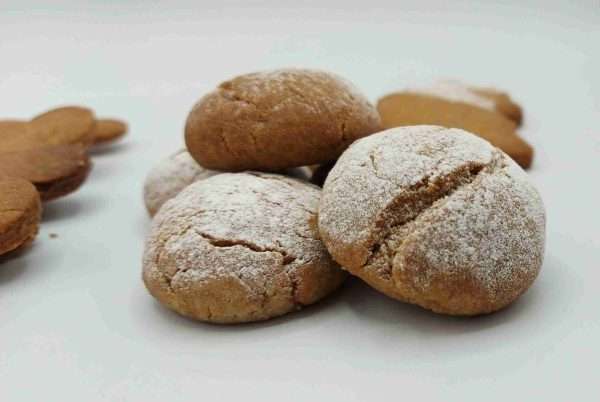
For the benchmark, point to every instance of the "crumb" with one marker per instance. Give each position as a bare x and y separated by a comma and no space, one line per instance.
53,235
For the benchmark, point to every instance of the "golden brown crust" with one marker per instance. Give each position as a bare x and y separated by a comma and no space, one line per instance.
408,109
108,130
20,213
503,103
54,170
276,120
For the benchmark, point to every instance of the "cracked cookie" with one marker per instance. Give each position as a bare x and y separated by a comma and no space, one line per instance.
173,174
435,217
20,213
480,111
239,247
278,119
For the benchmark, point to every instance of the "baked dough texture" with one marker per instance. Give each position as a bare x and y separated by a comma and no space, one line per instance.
20,213
436,217
278,119
55,170
239,247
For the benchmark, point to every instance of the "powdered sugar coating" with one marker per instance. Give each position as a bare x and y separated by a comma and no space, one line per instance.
282,82
251,236
375,169
455,91
170,176
436,217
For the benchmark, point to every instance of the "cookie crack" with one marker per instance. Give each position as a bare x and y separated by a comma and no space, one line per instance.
376,168
226,243
464,176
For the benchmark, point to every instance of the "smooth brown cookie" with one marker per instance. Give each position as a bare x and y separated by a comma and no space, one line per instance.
63,126
108,130
412,108
278,119
502,103
239,247
435,217
54,170
20,213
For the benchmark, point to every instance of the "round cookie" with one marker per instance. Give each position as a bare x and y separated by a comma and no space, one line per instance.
20,213
239,247
178,171
436,217
278,119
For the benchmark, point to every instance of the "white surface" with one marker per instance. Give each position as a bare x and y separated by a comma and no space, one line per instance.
76,324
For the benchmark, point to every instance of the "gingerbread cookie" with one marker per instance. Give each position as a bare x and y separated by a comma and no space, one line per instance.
107,130
435,217
239,247
460,108
502,103
20,213
54,170
276,120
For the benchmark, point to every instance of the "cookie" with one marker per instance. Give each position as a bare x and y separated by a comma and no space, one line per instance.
107,130
436,217
54,170
238,248
169,177
20,213
178,171
63,126
427,107
278,119
502,103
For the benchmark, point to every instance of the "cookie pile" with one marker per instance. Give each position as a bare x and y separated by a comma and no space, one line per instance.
428,215
43,159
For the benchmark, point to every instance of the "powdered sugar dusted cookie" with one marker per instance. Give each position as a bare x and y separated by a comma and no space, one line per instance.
435,217
169,177
239,247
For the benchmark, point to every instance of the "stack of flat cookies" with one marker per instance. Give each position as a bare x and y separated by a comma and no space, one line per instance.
43,159
429,215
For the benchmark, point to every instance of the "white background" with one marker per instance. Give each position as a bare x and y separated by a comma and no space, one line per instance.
76,323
